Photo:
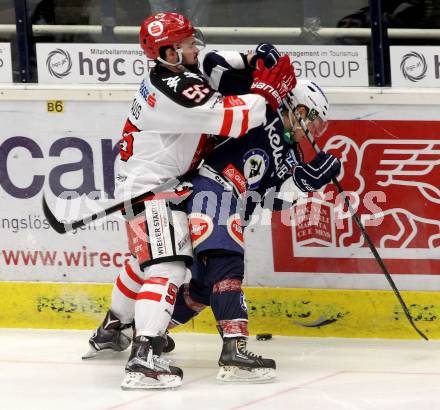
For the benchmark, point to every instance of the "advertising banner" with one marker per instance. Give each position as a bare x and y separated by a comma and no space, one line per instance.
5,63
337,66
125,63
390,168
391,172
415,66
91,63
50,152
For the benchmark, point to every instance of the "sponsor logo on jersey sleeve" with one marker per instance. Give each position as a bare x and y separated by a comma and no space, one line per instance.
147,95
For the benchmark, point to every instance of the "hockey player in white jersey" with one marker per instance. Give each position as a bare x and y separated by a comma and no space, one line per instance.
166,134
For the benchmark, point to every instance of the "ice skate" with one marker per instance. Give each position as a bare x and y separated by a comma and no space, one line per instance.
147,370
239,365
108,336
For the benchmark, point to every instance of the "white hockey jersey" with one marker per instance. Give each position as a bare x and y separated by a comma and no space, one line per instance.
168,127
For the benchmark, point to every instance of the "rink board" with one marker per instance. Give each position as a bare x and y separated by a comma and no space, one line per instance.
281,311
47,150
48,272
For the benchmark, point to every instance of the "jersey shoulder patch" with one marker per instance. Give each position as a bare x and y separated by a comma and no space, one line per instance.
188,89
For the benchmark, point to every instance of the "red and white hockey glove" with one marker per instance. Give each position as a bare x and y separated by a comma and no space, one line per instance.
274,83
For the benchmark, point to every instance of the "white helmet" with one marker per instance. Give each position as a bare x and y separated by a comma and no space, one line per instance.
308,94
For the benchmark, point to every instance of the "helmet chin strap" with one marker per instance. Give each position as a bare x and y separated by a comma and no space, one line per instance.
293,127
179,62
290,119
296,114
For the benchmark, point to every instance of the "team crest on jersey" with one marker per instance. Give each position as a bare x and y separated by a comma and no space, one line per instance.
235,229
201,227
256,163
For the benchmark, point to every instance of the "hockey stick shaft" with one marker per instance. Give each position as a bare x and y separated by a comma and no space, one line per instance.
64,227
367,238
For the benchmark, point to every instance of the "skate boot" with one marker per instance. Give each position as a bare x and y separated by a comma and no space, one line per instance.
170,345
108,336
146,369
239,365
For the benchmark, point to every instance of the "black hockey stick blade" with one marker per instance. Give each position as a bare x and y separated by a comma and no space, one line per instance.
64,227
367,238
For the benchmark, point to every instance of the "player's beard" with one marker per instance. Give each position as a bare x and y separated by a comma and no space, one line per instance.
194,68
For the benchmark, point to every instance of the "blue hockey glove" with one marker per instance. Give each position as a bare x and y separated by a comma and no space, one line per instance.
268,53
318,172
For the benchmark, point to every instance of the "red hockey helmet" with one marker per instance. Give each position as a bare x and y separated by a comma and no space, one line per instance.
163,29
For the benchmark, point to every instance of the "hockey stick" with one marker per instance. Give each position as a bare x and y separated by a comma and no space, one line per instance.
157,193
363,231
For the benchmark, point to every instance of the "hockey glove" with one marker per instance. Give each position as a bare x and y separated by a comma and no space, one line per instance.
274,83
318,172
266,52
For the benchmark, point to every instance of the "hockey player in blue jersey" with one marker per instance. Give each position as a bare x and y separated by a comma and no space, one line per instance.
265,166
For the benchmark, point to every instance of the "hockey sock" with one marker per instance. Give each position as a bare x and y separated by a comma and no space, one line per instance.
225,272
229,308
125,290
156,299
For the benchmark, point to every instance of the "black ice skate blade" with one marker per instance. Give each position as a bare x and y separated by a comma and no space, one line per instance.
149,388
105,354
